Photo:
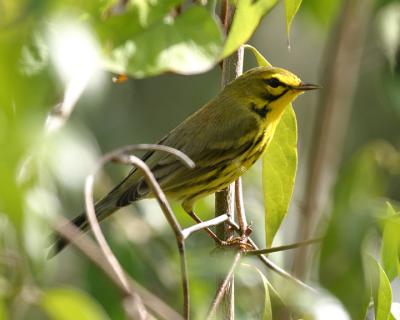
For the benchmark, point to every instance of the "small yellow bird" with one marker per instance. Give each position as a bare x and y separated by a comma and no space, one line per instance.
224,139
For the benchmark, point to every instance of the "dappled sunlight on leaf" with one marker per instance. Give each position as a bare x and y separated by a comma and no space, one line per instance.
188,44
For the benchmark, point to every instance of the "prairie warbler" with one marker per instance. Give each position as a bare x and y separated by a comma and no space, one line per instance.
224,138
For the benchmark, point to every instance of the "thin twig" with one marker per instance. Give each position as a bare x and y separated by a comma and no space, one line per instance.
240,212
137,309
167,210
283,248
203,225
224,285
89,249
268,263
94,224
121,156
281,271
149,147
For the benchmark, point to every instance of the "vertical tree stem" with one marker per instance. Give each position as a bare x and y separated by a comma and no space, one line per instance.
232,67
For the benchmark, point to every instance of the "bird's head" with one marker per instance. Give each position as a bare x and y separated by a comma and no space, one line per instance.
269,89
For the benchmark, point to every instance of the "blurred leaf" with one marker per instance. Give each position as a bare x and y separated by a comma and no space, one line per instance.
247,17
70,304
341,267
360,179
279,173
261,61
22,99
390,250
291,8
323,12
274,307
267,313
3,310
153,10
381,289
118,24
389,28
189,44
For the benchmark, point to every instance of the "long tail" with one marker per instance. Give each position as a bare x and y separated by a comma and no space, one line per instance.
104,208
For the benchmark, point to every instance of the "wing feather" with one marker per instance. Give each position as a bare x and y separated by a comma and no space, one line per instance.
205,138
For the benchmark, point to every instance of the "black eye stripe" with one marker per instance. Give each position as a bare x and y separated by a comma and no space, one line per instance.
273,82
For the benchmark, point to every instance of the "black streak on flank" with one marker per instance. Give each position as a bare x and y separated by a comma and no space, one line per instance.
262,112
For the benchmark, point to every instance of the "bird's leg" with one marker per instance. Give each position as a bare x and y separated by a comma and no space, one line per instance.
236,242
240,241
217,240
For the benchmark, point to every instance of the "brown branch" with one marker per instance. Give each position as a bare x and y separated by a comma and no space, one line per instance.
94,224
232,67
166,208
89,249
120,155
91,214
138,310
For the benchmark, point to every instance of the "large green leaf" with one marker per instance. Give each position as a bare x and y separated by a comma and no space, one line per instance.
188,44
279,165
390,250
70,304
381,289
279,173
291,8
247,17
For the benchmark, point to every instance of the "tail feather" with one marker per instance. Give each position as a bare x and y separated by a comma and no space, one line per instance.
104,208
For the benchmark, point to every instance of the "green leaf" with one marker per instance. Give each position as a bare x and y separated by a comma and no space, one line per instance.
291,8
267,312
267,315
70,304
279,173
322,12
279,166
117,24
261,61
247,17
341,266
352,218
189,44
390,250
381,289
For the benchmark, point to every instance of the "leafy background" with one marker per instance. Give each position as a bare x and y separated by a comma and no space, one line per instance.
52,51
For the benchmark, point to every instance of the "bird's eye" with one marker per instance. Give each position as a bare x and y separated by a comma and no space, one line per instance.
273,82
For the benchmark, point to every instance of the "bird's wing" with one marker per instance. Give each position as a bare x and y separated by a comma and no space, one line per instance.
206,138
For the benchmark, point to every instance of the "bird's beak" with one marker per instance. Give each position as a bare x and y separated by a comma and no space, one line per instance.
306,86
